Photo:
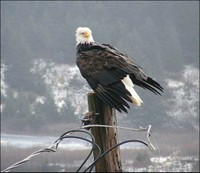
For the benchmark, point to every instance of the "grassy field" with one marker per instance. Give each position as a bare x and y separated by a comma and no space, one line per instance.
180,151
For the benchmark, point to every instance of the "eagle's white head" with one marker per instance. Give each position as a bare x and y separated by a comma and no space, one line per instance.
84,35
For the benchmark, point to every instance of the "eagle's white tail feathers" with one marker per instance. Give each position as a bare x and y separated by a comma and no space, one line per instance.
134,96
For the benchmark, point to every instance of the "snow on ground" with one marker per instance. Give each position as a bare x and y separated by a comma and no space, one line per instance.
164,164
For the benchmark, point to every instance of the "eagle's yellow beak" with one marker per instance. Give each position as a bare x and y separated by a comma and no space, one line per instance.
86,34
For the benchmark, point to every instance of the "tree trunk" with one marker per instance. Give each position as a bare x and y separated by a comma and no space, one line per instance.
105,137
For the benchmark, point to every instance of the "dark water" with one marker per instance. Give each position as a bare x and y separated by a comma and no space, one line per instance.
25,141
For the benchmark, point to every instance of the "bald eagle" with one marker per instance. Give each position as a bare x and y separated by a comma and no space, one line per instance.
110,73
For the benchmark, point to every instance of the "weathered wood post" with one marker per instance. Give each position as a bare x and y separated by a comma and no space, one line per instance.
105,137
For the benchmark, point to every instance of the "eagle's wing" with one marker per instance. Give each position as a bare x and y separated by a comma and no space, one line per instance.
104,68
137,76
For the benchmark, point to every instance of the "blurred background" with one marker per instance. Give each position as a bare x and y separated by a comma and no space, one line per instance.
43,92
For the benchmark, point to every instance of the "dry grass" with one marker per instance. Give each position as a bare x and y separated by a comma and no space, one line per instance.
170,144
43,162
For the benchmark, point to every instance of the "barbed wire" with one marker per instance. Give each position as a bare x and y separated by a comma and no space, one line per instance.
84,129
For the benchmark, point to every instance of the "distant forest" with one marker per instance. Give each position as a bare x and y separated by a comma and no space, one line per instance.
38,47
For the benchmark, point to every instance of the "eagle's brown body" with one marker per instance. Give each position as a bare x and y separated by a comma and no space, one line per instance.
107,71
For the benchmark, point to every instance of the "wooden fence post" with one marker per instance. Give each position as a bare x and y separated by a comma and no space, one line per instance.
105,137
